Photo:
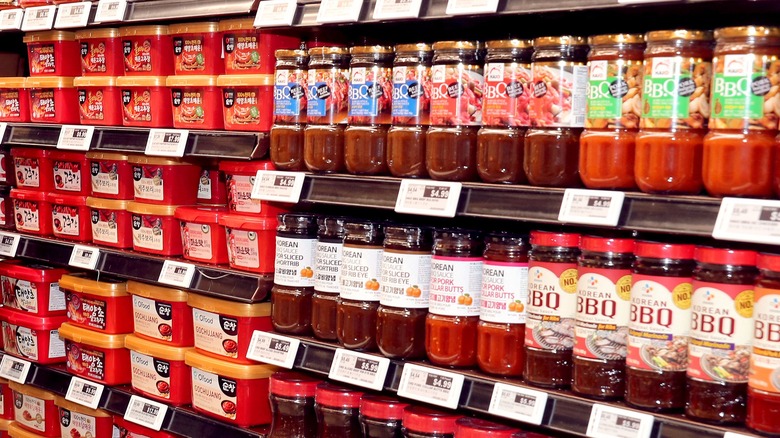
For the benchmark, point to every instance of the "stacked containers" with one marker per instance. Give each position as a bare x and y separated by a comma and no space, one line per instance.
111,189
34,175
52,61
70,214
79,421
35,411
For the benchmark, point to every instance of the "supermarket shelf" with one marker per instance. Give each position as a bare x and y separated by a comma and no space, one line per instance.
159,10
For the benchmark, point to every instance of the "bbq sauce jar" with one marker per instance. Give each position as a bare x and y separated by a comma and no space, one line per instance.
327,264
286,139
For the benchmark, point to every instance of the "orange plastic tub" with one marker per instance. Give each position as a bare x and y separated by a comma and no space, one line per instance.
197,48
196,102
146,101
14,100
247,102
155,229
249,50
98,304
159,372
111,222
34,411
96,356
53,100
168,181
112,175
147,50
101,52
77,421
53,53
161,314
100,101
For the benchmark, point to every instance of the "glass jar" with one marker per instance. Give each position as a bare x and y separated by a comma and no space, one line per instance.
326,109
291,307
552,308
361,264
603,310
659,325
502,301
469,427
721,334
508,90
380,417
456,281
420,422
614,107
675,110
292,405
370,99
552,146
739,150
456,111
338,411
286,138
411,110
403,297
327,264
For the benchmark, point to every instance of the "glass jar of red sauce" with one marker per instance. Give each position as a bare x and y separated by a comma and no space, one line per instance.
740,154
603,310
721,334
422,422
370,100
508,91
502,301
551,147
411,110
675,110
292,405
338,411
327,264
470,427
552,308
659,325
403,296
614,107
456,281
326,109
456,111
380,416
286,139
361,263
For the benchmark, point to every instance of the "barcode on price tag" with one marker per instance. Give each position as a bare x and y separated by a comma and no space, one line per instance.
167,142
591,207
177,274
145,412
611,422
76,137
393,9
73,15
748,220
518,403
339,11
464,7
84,392
84,257
273,349
428,198
14,369
39,18
11,19
278,186
110,10
432,386
9,244
276,13
359,369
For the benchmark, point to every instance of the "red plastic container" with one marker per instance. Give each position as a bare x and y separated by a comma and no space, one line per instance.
33,3
111,222
247,102
161,314
32,212
6,167
223,329
32,289
251,242
35,411
98,303
159,371
32,168
101,52
111,175
147,50
196,102
249,50
202,238
96,356
155,229
70,217
237,394
212,187
132,430
6,424
240,177
197,48
77,421
423,421
146,101
6,400
52,53
70,173
100,101
31,337
53,100
168,181
6,209
14,100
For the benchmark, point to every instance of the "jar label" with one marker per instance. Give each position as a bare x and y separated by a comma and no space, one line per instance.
406,279
28,172
215,394
67,175
289,95
137,105
327,263
30,411
370,95
104,226
188,106
85,361
148,182
42,59
215,333
455,285
560,94
90,312
456,94
93,56
676,93
153,318
328,95
243,248
242,52
745,92
508,90
42,104
74,424
105,177
196,240
23,295
204,185
189,54
765,360
91,104
148,232
138,55
294,262
603,311
20,341
411,95
360,273
721,332
239,191
150,375
504,293
27,215
10,105
660,323
552,306
65,220
614,94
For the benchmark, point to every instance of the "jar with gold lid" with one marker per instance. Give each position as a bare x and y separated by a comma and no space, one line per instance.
286,142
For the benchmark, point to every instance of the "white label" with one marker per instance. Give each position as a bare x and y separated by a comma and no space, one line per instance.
243,248
196,240
406,279
73,15
24,295
9,244
273,349
105,177
167,142
518,403
84,392
433,386
85,257
504,292
30,411
28,172
153,318
216,333
611,422
56,298
214,393
73,137
67,175
56,344
110,10
65,220
176,274
11,19
145,412
74,424
393,9
294,262
339,11
148,183
148,232
276,13
465,7
39,18
748,220
20,341
150,375
428,198
732,434
27,215
239,191
104,226
327,264
359,369
14,369
278,186
359,274
455,285
591,207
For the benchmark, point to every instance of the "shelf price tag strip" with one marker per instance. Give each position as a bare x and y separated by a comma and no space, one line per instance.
145,412
359,369
167,142
591,207
428,198
339,11
110,10
177,274
9,244
75,137
14,369
84,392
84,257
518,403
276,13
465,7
273,349
736,435
72,15
611,422
748,220
11,19
430,385
395,9
39,18
277,186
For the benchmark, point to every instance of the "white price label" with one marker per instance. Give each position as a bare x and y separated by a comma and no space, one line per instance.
428,198
177,274
393,9
276,13
39,18
273,349
145,412
591,207
84,392
3,127
84,257
73,15
748,220
278,186
611,422
359,369
737,435
167,142
339,11
432,386
518,403
466,7
76,137
110,10
11,19
14,369
9,244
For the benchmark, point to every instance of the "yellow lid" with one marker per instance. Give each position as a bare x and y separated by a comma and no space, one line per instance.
3,381
13,82
50,82
191,81
141,81
509,44
156,292
617,38
564,40
114,156
143,30
678,34
110,32
107,204
202,27
149,348
156,161
74,407
245,80
224,307
84,283
153,209
228,369
16,431
4,424
53,35
747,31
237,24
96,339
94,81
32,391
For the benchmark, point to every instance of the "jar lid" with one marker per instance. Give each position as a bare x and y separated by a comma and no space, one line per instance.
506,237
141,81
151,209
191,81
332,225
360,50
143,30
458,234
325,51
564,40
96,339
258,80
769,262
157,351
202,27
725,256
300,221
290,53
94,81
678,34
663,250
50,82
455,45
13,82
52,35
413,48
238,24
357,226
381,407
510,44
747,31
420,419
606,244
617,38
328,394
410,233
549,238
468,426
86,34
290,384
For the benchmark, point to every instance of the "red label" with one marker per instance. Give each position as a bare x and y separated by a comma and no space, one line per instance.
765,360
560,94
552,305
189,53
138,55
42,104
42,59
242,52
188,106
65,220
508,89
242,106
93,56
91,104
85,361
9,104
137,105
456,95
602,313
328,95
88,312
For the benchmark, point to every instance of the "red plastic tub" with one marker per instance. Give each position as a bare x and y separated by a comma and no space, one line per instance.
101,52
35,411
53,100
168,181
212,187
196,102
249,50
240,177
6,167
96,356
32,212
111,222
159,371
111,175
127,429
14,100
147,50
155,229
98,303
6,209
77,421
161,314
32,168
251,242
70,217
100,101
247,102
146,101
203,240
70,172
197,48
53,53
6,400
33,338
32,289
33,3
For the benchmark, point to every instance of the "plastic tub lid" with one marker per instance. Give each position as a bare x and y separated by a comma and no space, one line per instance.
247,167
68,155
141,81
157,161
153,209
191,81
32,391
224,307
16,82
86,34
550,238
156,292
17,431
4,424
83,282
28,195
114,156
149,348
328,394
769,262
75,407
94,81
242,221
420,419
69,200
606,244
202,27
721,256
291,384
30,320
50,82
33,272
381,407
201,215
53,35
468,426
238,24
663,250
107,204
96,339
224,368
30,152
245,80
143,30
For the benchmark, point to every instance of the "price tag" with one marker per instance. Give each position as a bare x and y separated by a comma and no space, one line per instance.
273,349
167,142
3,128
339,11
465,7
748,220
73,15
393,9
9,244
737,435
591,207
84,392
518,403
428,198
432,386
145,412
177,274
14,369
75,137
359,369
611,422
276,13
84,257
278,186
110,10
11,19
39,18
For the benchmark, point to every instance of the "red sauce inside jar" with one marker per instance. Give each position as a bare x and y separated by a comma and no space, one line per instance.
290,91
330,242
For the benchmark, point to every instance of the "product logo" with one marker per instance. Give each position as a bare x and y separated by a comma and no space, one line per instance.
437,74
399,75
736,65
598,70
495,72
359,75
663,67
281,77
